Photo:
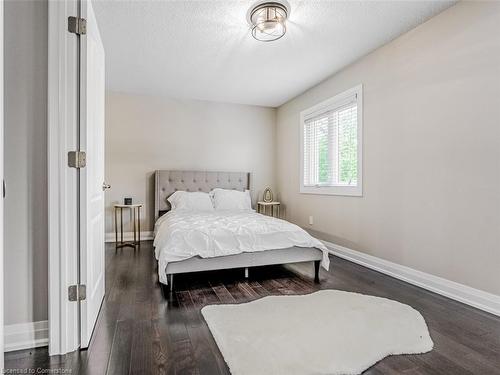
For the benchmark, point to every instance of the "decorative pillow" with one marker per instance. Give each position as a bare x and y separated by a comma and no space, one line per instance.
185,200
231,199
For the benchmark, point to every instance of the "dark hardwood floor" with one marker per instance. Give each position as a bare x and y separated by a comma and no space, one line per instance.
141,332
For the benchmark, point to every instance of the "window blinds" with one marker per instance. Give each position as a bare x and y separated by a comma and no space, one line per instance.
330,145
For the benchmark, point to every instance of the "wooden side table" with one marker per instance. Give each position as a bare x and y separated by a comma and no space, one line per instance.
135,208
269,208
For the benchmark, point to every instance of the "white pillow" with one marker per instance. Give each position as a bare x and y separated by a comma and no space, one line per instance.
231,199
185,200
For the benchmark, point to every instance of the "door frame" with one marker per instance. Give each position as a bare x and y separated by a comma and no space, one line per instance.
1,180
62,182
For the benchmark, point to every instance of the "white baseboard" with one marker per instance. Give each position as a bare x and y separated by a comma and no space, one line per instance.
129,236
26,335
474,297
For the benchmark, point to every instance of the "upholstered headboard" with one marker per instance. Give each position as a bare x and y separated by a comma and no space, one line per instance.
167,182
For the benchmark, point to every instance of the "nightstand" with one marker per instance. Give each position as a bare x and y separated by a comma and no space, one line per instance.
136,218
269,208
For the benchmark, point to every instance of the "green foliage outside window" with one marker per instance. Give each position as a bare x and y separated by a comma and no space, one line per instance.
323,159
348,150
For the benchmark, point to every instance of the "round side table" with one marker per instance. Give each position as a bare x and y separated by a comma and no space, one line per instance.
269,208
136,219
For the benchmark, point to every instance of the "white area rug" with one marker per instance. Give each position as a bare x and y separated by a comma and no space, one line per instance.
327,332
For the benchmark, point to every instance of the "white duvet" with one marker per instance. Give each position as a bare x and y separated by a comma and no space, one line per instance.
182,234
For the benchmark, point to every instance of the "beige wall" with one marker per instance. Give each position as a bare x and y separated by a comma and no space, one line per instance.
431,150
25,158
145,133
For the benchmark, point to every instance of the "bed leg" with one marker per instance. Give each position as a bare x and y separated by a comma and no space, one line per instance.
171,283
164,290
246,272
316,271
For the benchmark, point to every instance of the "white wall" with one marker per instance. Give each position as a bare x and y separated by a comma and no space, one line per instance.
431,150
145,133
25,110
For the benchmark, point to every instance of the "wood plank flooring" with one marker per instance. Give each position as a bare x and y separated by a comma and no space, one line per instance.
139,331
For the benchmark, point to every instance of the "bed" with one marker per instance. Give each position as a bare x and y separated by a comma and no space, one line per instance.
268,240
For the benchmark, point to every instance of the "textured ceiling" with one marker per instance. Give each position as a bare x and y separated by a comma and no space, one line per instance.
204,50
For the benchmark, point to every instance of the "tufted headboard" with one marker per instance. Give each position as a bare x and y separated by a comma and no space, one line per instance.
167,182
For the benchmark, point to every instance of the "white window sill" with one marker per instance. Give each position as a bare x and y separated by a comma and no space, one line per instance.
352,191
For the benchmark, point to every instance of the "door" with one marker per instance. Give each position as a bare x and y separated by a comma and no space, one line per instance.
92,267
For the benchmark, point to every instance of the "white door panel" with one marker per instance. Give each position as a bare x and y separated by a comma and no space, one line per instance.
1,181
92,267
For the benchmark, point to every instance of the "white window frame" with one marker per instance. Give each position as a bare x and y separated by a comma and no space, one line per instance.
326,105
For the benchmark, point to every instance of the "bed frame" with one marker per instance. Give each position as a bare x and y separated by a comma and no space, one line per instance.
167,182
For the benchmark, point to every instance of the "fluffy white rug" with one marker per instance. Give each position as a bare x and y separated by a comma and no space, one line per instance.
327,332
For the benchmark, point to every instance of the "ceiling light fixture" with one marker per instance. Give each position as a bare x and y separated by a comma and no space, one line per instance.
267,20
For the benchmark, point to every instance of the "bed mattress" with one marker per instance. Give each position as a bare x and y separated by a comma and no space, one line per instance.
183,234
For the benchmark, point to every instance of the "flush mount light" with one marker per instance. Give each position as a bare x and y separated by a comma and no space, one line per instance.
267,20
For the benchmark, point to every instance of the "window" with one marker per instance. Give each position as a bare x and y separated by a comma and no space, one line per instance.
331,142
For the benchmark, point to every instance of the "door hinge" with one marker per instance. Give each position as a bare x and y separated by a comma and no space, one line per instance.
77,159
77,292
77,25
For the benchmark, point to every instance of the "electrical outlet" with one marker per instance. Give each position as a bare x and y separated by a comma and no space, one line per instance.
311,220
